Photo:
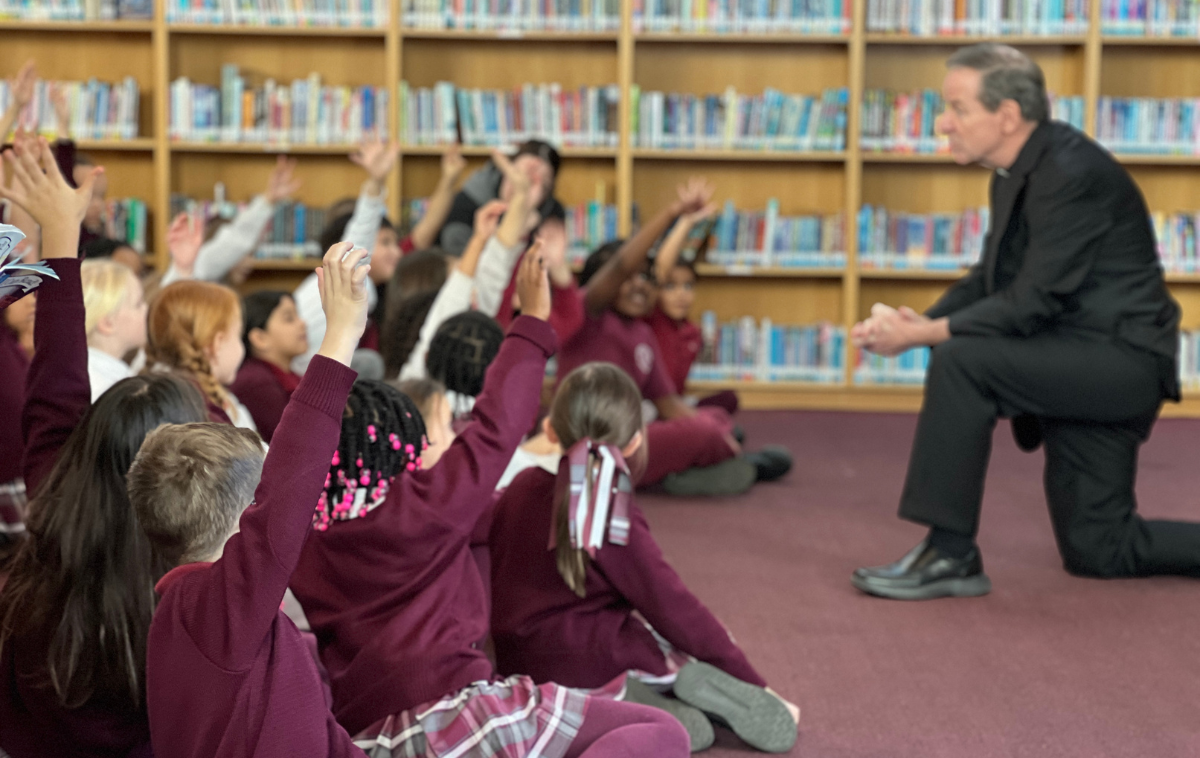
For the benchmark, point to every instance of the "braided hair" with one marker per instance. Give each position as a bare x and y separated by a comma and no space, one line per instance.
184,321
383,436
461,351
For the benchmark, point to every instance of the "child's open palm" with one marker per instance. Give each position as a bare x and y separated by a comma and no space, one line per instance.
694,195
533,285
38,186
341,280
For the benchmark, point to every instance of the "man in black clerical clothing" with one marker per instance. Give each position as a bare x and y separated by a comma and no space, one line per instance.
1065,326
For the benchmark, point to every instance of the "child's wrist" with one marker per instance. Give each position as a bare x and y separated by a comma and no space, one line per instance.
338,346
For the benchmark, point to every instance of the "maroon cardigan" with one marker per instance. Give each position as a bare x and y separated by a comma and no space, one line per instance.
259,389
227,674
14,365
394,597
543,629
32,723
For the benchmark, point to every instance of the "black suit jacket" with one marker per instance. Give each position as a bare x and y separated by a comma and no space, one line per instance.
1070,248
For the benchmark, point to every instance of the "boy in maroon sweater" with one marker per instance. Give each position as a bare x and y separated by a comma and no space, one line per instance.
389,586
227,673
594,607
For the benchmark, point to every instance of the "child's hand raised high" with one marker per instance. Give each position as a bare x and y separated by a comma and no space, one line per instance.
694,195
342,282
38,187
533,285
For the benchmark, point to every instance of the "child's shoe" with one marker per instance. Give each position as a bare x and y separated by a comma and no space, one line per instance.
758,717
698,727
771,462
729,477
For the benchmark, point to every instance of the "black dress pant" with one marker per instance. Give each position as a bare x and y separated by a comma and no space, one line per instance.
1096,401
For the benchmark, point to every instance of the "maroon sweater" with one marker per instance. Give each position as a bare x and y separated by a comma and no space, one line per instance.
264,390
394,597
32,722
543,629
227,674
679,345
14,364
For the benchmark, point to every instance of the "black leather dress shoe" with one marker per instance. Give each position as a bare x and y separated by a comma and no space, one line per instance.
925,573
1027,431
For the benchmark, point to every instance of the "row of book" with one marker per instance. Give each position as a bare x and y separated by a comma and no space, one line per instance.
907,368
77,10
99,110
1149,125
1151,18
320,13
938,241
589,225
771,121
979,17
303,112
1189,359
291,234
906,121
1176,234
127,220
767,238
584,117
749,350
514,15
746,16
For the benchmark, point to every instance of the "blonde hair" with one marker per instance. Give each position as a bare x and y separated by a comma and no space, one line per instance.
105,289
185,320
189,485
600,402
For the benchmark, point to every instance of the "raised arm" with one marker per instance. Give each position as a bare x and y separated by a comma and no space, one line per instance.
377,159
425,232
631,258
246,585
22,93
58,392
672,246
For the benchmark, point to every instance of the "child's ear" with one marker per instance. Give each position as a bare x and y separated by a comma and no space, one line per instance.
105,325
632,447
258,339
551,435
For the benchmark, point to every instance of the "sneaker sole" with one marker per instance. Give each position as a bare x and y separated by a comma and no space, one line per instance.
731,477
970,586
755,715
695,723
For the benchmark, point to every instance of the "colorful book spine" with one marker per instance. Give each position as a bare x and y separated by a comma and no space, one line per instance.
930,18
1141,125
750,350
750,239
514,16
1151,18
1189,359
889,239
304,112
76,10
589,225
291,234
1176,237
585,117
907,368
126,220
732,121
357,14
98,110
762,17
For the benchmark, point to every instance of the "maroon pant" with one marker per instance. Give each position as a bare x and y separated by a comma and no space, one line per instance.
616,729
683,443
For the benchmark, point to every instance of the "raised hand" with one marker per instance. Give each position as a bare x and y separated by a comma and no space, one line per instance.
533,285
453,163
22,85
185,237
487,218
694,195
282,183
39,187
553,236
62,110
519,181
377,158
341,280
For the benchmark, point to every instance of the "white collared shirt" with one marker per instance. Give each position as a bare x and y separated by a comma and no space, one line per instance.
104,371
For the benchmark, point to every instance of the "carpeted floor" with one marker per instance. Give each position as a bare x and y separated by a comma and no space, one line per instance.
1046,665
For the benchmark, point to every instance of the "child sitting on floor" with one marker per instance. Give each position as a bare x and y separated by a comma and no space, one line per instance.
116,321
690,453
595,606
272,335
397,604
227,673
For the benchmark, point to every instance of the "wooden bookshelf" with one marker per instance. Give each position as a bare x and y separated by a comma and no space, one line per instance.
1091,65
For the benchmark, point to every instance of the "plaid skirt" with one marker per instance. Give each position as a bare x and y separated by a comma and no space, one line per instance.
513,718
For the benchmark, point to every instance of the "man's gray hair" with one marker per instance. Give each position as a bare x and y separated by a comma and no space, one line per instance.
1008,74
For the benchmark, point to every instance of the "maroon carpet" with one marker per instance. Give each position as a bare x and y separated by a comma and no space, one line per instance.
1046,665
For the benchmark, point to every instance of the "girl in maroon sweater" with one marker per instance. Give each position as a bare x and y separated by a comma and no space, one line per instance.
581,613
76,608
16,332
273,335
395,599
691,454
